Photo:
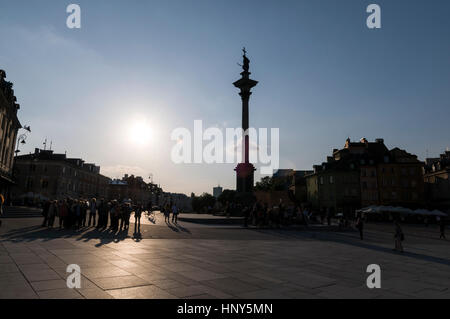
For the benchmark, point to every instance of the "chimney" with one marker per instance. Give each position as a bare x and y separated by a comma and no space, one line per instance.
379,140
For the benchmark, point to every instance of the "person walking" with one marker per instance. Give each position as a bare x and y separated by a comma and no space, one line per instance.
442,228
399,236
174,214
360,225
137,218
167,213
92,212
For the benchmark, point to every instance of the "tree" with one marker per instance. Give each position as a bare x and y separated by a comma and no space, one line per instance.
202,202
227,195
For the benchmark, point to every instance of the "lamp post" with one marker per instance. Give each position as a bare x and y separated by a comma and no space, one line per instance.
22,138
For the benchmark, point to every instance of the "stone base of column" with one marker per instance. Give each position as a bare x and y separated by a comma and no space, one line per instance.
244,177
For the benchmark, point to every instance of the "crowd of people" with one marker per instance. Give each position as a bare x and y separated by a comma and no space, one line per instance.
263,215
81,213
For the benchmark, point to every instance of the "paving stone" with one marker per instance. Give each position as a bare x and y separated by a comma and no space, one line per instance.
144,292
119,282
104,272
201,275
64,293
41,275
94,293
17,291
49,285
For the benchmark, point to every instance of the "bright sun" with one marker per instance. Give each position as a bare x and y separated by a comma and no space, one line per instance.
140,133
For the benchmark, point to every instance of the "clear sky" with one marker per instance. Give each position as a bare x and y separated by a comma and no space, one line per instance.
323,76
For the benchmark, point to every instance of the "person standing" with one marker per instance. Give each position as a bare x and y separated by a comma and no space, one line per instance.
2,201
101,214
77,213
83,207
360,225
62,213
442,228
174,214
399,236
127,215
52,210
45,213
92,212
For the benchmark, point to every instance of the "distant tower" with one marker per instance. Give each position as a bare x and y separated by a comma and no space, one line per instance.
217,191
245,171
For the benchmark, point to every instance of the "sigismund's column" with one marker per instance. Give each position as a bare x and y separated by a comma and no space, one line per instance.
245,171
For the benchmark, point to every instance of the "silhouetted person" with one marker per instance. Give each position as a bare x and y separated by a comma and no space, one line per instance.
2,201
167,213
52,211
442,228
360,225
246,213
62,213
399,236
92,211
45,213
174,214
83,207
137,217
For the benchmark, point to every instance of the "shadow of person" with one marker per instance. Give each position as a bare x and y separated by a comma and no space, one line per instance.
173,228
183,229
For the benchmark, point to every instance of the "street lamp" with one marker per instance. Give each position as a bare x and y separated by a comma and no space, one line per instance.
22,138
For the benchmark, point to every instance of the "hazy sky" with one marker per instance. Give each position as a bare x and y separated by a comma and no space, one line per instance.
323,76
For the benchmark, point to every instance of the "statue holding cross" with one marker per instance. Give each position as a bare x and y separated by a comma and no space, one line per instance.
246,65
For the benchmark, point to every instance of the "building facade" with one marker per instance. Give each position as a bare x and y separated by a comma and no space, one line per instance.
9,126
366,173
46,175
133,188
437,182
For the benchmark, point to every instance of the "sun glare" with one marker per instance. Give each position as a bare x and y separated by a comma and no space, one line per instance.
140,133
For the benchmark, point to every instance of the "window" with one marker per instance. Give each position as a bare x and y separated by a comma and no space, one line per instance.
44,184
321,180
363,172
331,180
